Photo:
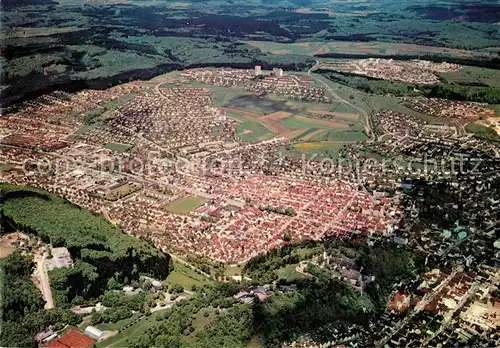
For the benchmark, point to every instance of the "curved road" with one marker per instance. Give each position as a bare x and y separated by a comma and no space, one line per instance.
368,127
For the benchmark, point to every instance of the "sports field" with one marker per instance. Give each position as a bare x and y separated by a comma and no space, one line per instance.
5,167
118,147
185,204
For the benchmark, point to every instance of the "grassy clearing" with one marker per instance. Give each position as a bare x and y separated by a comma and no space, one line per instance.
185,277
121,338
340,135
200,321
5,167
289,273
232,271
185,204
118,147
496,108
473,75
482,132
293,122
119,324
251,130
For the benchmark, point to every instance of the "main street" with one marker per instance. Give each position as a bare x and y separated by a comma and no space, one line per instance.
419,307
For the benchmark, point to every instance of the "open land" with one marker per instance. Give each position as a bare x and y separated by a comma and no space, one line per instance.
315,178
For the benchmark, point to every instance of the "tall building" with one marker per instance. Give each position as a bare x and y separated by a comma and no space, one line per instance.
258,70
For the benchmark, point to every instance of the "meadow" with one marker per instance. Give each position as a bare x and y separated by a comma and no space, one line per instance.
185,277
140,327
185,204
118,147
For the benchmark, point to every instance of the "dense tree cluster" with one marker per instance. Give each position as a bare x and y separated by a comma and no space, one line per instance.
22,305
103,255
481,94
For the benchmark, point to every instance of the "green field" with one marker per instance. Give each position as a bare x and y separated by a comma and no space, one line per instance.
340,135
251,130
118,147
200,321
4,167
294,122
232,271
119,324
372,48
482,132
289,274
307,132
120,339
185,277
185,204
472,74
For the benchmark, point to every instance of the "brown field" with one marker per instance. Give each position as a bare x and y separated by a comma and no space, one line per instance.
278,127
321,50
6,244
294,133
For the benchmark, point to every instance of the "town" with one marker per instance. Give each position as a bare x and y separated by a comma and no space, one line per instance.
203,163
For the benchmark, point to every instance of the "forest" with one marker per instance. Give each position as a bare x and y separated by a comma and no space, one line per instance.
104,256
317,302
23,315
71,47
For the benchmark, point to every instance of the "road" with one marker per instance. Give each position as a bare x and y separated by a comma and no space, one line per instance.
471,292
44,281
368,127
420,306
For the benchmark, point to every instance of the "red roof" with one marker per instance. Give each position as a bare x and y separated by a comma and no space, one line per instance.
72,340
